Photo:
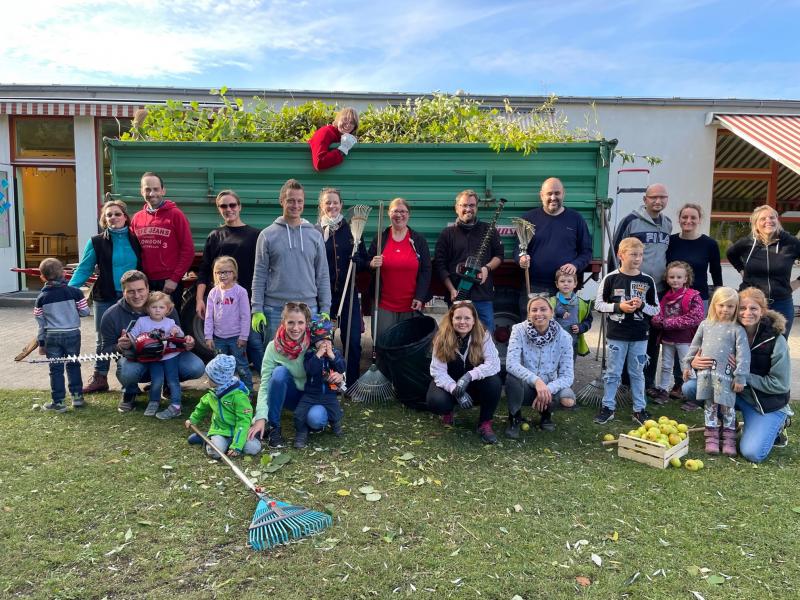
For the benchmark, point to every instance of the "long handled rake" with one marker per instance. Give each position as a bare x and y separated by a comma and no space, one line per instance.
274,522
357,224
373,386
525,232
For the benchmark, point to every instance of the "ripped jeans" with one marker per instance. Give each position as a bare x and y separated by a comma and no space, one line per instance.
618,351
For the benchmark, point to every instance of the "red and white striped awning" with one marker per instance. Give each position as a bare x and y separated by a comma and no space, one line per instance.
777,136
40,108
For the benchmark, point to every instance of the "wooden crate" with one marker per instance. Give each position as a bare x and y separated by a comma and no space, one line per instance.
650,453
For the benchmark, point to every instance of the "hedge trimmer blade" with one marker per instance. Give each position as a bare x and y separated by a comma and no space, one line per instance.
76,358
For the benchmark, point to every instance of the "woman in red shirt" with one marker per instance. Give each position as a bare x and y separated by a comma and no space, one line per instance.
405,262
342,132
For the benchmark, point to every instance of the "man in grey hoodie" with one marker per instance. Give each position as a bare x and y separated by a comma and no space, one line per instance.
653,229
291,264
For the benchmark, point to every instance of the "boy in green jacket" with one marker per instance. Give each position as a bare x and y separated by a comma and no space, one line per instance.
229,404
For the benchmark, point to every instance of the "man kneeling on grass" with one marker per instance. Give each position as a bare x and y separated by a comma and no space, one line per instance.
114,333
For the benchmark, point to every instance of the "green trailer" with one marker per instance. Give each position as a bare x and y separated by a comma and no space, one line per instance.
428,175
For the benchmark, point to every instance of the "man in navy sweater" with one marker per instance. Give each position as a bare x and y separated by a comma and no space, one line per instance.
561,241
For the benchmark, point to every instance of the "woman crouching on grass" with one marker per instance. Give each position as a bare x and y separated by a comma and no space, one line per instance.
539,366
464,367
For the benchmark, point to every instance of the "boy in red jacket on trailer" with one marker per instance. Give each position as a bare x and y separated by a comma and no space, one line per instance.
165,237
345,124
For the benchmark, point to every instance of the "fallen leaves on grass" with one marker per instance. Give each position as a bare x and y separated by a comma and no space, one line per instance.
583,581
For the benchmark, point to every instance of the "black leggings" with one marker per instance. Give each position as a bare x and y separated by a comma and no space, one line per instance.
484,392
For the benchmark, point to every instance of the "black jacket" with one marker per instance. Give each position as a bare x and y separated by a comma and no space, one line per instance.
422,291
455,245
769,268
338,249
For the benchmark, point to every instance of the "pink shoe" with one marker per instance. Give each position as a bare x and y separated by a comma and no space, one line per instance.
729,441
448,419
712,440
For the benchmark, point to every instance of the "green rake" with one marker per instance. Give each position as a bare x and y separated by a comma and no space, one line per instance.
274,522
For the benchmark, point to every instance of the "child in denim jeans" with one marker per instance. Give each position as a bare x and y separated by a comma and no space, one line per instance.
58,311
227,322
324,367
629,298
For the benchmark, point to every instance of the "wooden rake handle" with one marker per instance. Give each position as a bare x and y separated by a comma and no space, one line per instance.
227,460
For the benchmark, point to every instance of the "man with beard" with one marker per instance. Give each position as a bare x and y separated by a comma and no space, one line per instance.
459,242
561,241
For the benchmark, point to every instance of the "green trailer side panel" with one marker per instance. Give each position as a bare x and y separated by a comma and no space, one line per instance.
428,175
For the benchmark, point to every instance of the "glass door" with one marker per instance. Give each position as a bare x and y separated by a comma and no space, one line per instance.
9,251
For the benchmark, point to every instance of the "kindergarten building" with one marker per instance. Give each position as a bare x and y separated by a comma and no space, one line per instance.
726,155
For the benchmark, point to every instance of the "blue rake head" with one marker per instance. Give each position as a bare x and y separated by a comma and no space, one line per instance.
279,523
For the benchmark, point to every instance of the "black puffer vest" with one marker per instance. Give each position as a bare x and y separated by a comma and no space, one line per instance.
761,363
103,288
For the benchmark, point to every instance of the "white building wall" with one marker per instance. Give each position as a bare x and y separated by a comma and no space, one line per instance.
86,179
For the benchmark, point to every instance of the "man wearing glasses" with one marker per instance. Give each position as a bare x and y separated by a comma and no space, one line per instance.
237,239
458,243
653,229
290,264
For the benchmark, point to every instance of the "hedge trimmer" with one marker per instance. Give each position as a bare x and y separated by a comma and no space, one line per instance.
147,347
468,271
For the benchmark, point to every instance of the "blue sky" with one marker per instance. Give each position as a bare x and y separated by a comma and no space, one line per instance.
687,48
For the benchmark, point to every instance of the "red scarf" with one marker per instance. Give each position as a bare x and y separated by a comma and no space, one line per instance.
289,347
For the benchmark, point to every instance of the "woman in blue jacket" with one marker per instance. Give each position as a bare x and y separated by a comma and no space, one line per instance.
113,251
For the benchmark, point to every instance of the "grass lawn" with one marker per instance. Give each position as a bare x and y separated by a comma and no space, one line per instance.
96,504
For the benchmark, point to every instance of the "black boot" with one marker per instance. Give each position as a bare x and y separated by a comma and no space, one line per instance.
127,403
514,422
546,424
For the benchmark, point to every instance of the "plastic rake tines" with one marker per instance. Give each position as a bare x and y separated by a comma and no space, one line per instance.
277,523
372,387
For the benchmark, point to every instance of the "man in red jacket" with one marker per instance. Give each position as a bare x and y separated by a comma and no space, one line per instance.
166,239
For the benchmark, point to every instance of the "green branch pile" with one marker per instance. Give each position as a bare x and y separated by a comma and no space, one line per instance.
440,118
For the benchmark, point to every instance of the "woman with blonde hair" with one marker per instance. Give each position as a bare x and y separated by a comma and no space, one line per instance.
539,365
405,262
764,401
113,252
464,367
765,260
342,131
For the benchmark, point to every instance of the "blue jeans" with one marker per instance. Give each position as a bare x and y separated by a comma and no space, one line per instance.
636,353
283,394
255,349
273,314
760,430
353,327
222,442
228,346
165,371
57,345
786,308
485,310
131,373
99,307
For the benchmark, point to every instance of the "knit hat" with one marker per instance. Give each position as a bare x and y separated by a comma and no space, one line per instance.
321,328
221,370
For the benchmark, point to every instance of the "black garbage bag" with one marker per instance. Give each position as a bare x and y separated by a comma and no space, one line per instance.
404,357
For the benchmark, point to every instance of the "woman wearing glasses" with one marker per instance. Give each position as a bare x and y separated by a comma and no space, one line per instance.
405,263
283,376
114,251
539,366
464,367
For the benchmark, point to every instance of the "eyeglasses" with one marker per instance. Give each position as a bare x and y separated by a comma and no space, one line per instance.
467,206
296,306
224,206
459,302
543,295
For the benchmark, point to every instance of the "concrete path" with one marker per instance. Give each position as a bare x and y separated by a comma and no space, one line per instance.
18,327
